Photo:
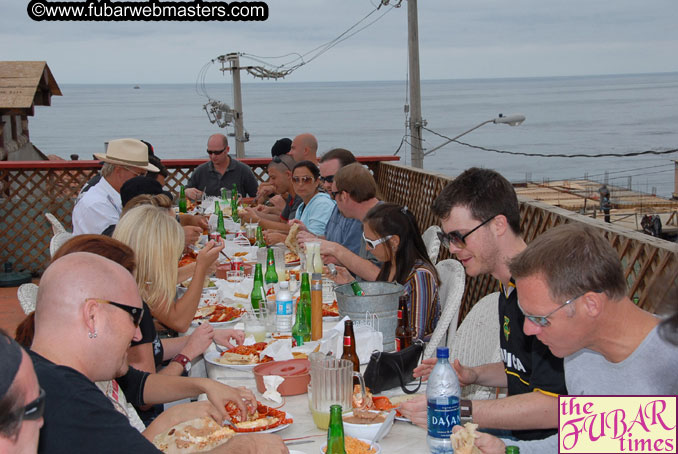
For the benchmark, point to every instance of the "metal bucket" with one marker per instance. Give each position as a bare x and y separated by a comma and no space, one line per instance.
381,299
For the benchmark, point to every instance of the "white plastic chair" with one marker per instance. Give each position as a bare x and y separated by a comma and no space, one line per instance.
477,342
453,281
57,227
28,295
57,240
432,242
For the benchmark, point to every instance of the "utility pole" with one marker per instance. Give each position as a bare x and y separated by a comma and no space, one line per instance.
416,122
239,130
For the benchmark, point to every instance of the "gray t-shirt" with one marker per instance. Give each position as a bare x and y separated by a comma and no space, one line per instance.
649,370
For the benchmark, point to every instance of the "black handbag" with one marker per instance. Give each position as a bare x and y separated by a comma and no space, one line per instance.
389,370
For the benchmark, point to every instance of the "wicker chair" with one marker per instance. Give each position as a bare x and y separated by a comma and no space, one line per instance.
57,227
451,292
57,240
28,295
432,242
477,342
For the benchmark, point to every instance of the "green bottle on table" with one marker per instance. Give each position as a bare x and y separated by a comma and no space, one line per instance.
258,296
301,331
221,229
182,200
234,204
335,433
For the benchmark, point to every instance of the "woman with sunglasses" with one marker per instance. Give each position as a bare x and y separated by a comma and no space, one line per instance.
316,207
391,234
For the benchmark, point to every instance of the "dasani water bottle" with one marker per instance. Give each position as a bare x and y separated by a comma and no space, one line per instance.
442,395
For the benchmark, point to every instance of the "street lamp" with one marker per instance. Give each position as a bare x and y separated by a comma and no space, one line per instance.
511,120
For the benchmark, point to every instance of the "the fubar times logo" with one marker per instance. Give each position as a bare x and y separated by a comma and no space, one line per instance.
617,424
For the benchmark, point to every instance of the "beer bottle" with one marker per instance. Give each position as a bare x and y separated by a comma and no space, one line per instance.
357,290
221,229
258,296
316,305
404,332
182,200
349,349
335,434
512,450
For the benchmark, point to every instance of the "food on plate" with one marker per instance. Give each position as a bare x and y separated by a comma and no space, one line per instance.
218,313
331,310
263,418
291,241
196,435
243,354
355,446
463,440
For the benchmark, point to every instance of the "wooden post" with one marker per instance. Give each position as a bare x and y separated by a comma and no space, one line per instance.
416,122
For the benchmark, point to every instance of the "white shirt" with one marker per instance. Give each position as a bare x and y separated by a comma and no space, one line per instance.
97,209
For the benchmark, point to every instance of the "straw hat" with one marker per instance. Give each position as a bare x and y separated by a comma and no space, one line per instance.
127,152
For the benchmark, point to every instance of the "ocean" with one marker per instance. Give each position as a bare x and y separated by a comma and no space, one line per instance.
564,115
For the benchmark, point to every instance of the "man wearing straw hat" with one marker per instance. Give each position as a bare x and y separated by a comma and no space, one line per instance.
101,206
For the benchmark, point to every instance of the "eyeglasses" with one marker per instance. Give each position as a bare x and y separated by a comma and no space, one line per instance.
135,312
456,238
303,180
278,160
327,179
542,320
374,243
35,409
216,152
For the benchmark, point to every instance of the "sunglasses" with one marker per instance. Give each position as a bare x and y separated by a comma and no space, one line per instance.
216,152
374,243
278,160
303,180
543,320
135,312
35,409
457,239
327,179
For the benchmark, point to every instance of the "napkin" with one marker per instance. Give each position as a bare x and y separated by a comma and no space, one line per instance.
280,350
271,383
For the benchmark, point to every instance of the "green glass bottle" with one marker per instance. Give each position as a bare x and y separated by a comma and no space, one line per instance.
335,434
260,237
512,450
306,290
357,290
217,207
301,331
221,229
234,204
271,276
258,296
182,200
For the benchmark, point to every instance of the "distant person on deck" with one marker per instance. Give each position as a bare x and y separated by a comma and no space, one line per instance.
305,148
101,206
221,171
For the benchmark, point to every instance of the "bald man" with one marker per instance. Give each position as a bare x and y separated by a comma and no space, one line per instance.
304,148
21,400
86,316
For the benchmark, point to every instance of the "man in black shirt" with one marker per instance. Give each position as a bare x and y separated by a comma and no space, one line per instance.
481,224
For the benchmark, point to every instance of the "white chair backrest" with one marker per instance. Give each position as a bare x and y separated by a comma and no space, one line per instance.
451,291
57,240
432,242
57,227
477,342
28,295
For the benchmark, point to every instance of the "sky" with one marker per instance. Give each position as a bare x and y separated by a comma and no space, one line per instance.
458,39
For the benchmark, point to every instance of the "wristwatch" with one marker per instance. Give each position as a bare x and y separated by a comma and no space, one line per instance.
185,363
466,411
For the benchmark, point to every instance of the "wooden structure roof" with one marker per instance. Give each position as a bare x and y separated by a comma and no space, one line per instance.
25,84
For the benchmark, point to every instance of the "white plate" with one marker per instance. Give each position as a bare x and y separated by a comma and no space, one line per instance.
212,357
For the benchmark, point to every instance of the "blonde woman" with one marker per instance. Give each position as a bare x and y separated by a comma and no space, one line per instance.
157,241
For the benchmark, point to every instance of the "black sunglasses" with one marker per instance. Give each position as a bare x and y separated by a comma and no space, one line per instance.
135,312
35,409
327,179
217,152
456,238
278,160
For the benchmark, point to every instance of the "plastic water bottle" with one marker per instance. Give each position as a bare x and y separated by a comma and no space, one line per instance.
442,395
283,310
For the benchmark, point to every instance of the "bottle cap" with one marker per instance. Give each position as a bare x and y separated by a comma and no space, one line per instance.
443,352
